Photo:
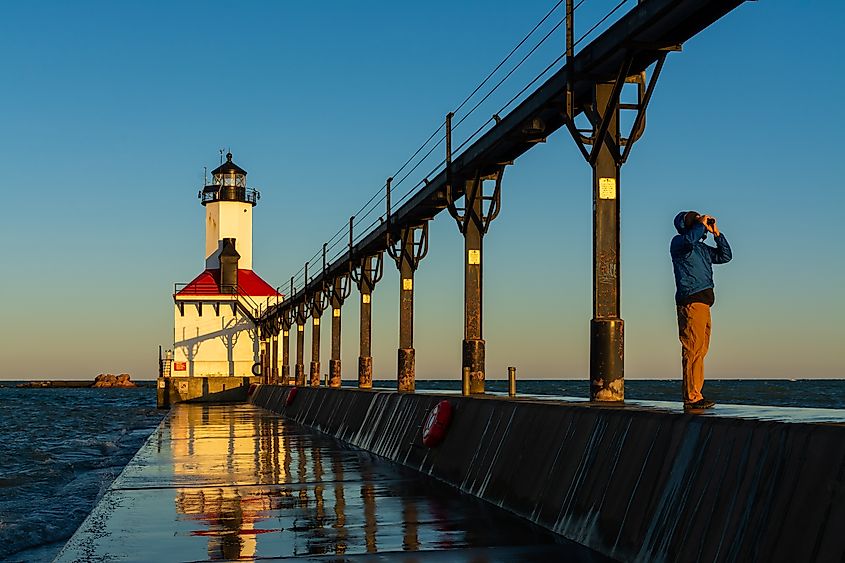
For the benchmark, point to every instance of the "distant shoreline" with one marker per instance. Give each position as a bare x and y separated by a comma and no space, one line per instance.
67,384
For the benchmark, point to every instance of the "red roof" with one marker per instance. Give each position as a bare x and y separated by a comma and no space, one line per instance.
249,283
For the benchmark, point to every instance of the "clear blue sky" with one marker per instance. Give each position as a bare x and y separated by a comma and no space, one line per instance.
111,110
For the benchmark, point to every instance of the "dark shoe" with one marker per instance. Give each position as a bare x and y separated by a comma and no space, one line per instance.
702,404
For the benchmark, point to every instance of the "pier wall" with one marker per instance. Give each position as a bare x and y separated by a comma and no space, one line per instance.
636,484
203,389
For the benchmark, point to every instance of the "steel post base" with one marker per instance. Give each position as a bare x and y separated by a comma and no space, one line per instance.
285,375
473,358
365,372
607,356
315,374
334,373
407,371
299,373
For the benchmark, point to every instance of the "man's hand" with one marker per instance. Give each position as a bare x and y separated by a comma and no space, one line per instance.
709,223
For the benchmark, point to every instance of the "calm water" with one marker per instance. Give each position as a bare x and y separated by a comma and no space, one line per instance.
61,448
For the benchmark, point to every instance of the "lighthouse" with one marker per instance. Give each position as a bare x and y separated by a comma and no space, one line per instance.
217,349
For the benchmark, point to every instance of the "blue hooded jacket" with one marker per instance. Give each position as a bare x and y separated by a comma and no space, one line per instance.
692,260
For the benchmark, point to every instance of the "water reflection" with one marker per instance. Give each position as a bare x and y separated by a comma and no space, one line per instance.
250,484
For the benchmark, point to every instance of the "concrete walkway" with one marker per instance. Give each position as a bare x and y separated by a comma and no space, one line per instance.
236,482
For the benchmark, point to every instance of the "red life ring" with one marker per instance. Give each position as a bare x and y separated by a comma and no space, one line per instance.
436,424
291,397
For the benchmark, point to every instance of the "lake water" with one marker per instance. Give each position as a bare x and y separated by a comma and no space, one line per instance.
61,448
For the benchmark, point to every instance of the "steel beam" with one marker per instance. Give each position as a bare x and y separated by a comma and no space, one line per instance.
340,290
299,368
473,344
606,327
407,252
315,348
285,372
406,363
274,358
366,276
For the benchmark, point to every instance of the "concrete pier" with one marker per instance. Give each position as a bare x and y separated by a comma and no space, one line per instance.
636,483
228,482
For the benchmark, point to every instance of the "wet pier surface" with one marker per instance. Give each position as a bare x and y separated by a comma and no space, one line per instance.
224,482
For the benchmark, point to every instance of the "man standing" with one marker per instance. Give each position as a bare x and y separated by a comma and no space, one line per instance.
692,262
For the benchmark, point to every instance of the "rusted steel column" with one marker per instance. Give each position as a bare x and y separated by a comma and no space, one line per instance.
407,252
274,358
473,343
606,327
299,368
365,358
366,276
334,362
406,364
285,374
473,221
315,349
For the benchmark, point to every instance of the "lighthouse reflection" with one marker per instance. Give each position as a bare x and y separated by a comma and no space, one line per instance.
252,485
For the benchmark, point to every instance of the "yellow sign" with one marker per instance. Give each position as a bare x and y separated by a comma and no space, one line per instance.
473,257
365,298
335,312
316,321
407,284
300,328
284,333
607,188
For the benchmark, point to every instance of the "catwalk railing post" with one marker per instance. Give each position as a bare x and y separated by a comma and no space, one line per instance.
407,251
609,151
473,222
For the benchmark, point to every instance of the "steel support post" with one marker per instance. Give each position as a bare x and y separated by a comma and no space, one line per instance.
365,358
606,327
334,362
406,370
274,358
315,349
299,368
407,252
473,344
473,221
285,374
340,290
366,276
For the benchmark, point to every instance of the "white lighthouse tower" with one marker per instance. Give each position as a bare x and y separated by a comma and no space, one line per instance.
216,345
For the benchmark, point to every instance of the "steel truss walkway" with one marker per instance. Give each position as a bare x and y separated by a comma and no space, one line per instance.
589,85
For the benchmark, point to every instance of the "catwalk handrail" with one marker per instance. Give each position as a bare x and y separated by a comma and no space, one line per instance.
643,34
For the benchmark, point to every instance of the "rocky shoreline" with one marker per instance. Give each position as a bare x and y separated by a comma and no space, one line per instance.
103,380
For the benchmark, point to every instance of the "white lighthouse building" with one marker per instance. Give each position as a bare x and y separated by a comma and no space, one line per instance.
216,346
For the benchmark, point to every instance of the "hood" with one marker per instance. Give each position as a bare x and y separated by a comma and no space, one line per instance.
679,221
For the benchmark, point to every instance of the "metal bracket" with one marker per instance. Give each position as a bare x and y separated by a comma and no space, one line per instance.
463,215
408,248
367,277
600,120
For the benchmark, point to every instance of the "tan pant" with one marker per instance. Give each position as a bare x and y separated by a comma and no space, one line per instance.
694,333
